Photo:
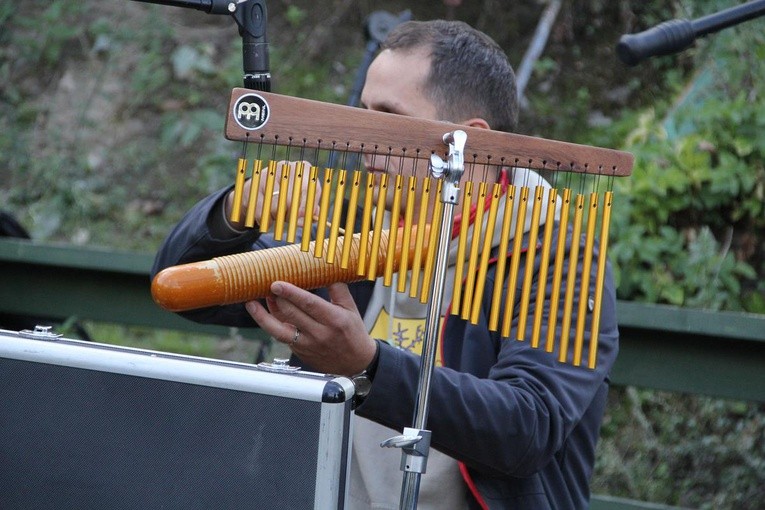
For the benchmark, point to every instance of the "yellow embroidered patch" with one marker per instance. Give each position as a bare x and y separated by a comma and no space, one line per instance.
406,334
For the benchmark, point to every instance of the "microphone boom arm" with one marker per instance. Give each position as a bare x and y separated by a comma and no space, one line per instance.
676,35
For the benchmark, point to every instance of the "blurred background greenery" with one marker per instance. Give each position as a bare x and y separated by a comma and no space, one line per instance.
111,118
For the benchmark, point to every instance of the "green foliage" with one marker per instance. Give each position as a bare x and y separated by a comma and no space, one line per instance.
110,129
693,452
687,225
295,16
682,198
46,48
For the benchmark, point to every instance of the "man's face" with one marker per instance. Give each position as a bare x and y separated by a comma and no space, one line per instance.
395,84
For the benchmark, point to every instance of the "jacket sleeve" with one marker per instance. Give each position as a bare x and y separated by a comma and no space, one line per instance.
506,408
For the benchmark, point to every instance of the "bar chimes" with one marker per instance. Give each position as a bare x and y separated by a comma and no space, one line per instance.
516,224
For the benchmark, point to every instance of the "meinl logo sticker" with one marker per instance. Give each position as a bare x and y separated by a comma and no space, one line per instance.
251,112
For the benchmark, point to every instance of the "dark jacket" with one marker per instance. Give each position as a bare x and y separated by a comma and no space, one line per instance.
523,424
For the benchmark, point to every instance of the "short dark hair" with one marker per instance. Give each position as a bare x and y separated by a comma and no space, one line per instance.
469,74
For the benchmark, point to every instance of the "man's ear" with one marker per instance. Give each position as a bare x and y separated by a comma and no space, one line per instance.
476,122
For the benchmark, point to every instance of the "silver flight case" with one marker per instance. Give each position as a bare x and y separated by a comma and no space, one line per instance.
92,426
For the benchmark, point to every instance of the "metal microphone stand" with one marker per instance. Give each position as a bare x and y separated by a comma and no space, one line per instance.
415,441
676,35
251,17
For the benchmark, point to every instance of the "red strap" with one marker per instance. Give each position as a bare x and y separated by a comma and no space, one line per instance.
471,485
504,181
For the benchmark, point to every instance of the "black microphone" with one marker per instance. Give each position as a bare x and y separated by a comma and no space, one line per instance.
676,35
252,18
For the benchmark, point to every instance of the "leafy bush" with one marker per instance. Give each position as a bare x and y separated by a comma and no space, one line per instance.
687,225
690,451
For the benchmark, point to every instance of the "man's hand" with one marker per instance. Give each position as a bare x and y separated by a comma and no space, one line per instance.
274,198
332,337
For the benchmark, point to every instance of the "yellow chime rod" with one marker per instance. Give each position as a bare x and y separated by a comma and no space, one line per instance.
544,265
337,211
268,197
321,224
573,259
395,215
504,242
422,219
467,202
528,274
407,231
313,182
297,188
560,256
430,257
584,289
488,238
241,171
377,230
282,195
469,286
599,279
252,199
350,219
515,260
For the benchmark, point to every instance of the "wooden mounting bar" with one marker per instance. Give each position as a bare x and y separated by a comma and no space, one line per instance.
300,122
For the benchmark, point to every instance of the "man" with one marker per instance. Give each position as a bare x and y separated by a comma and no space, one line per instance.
512,427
